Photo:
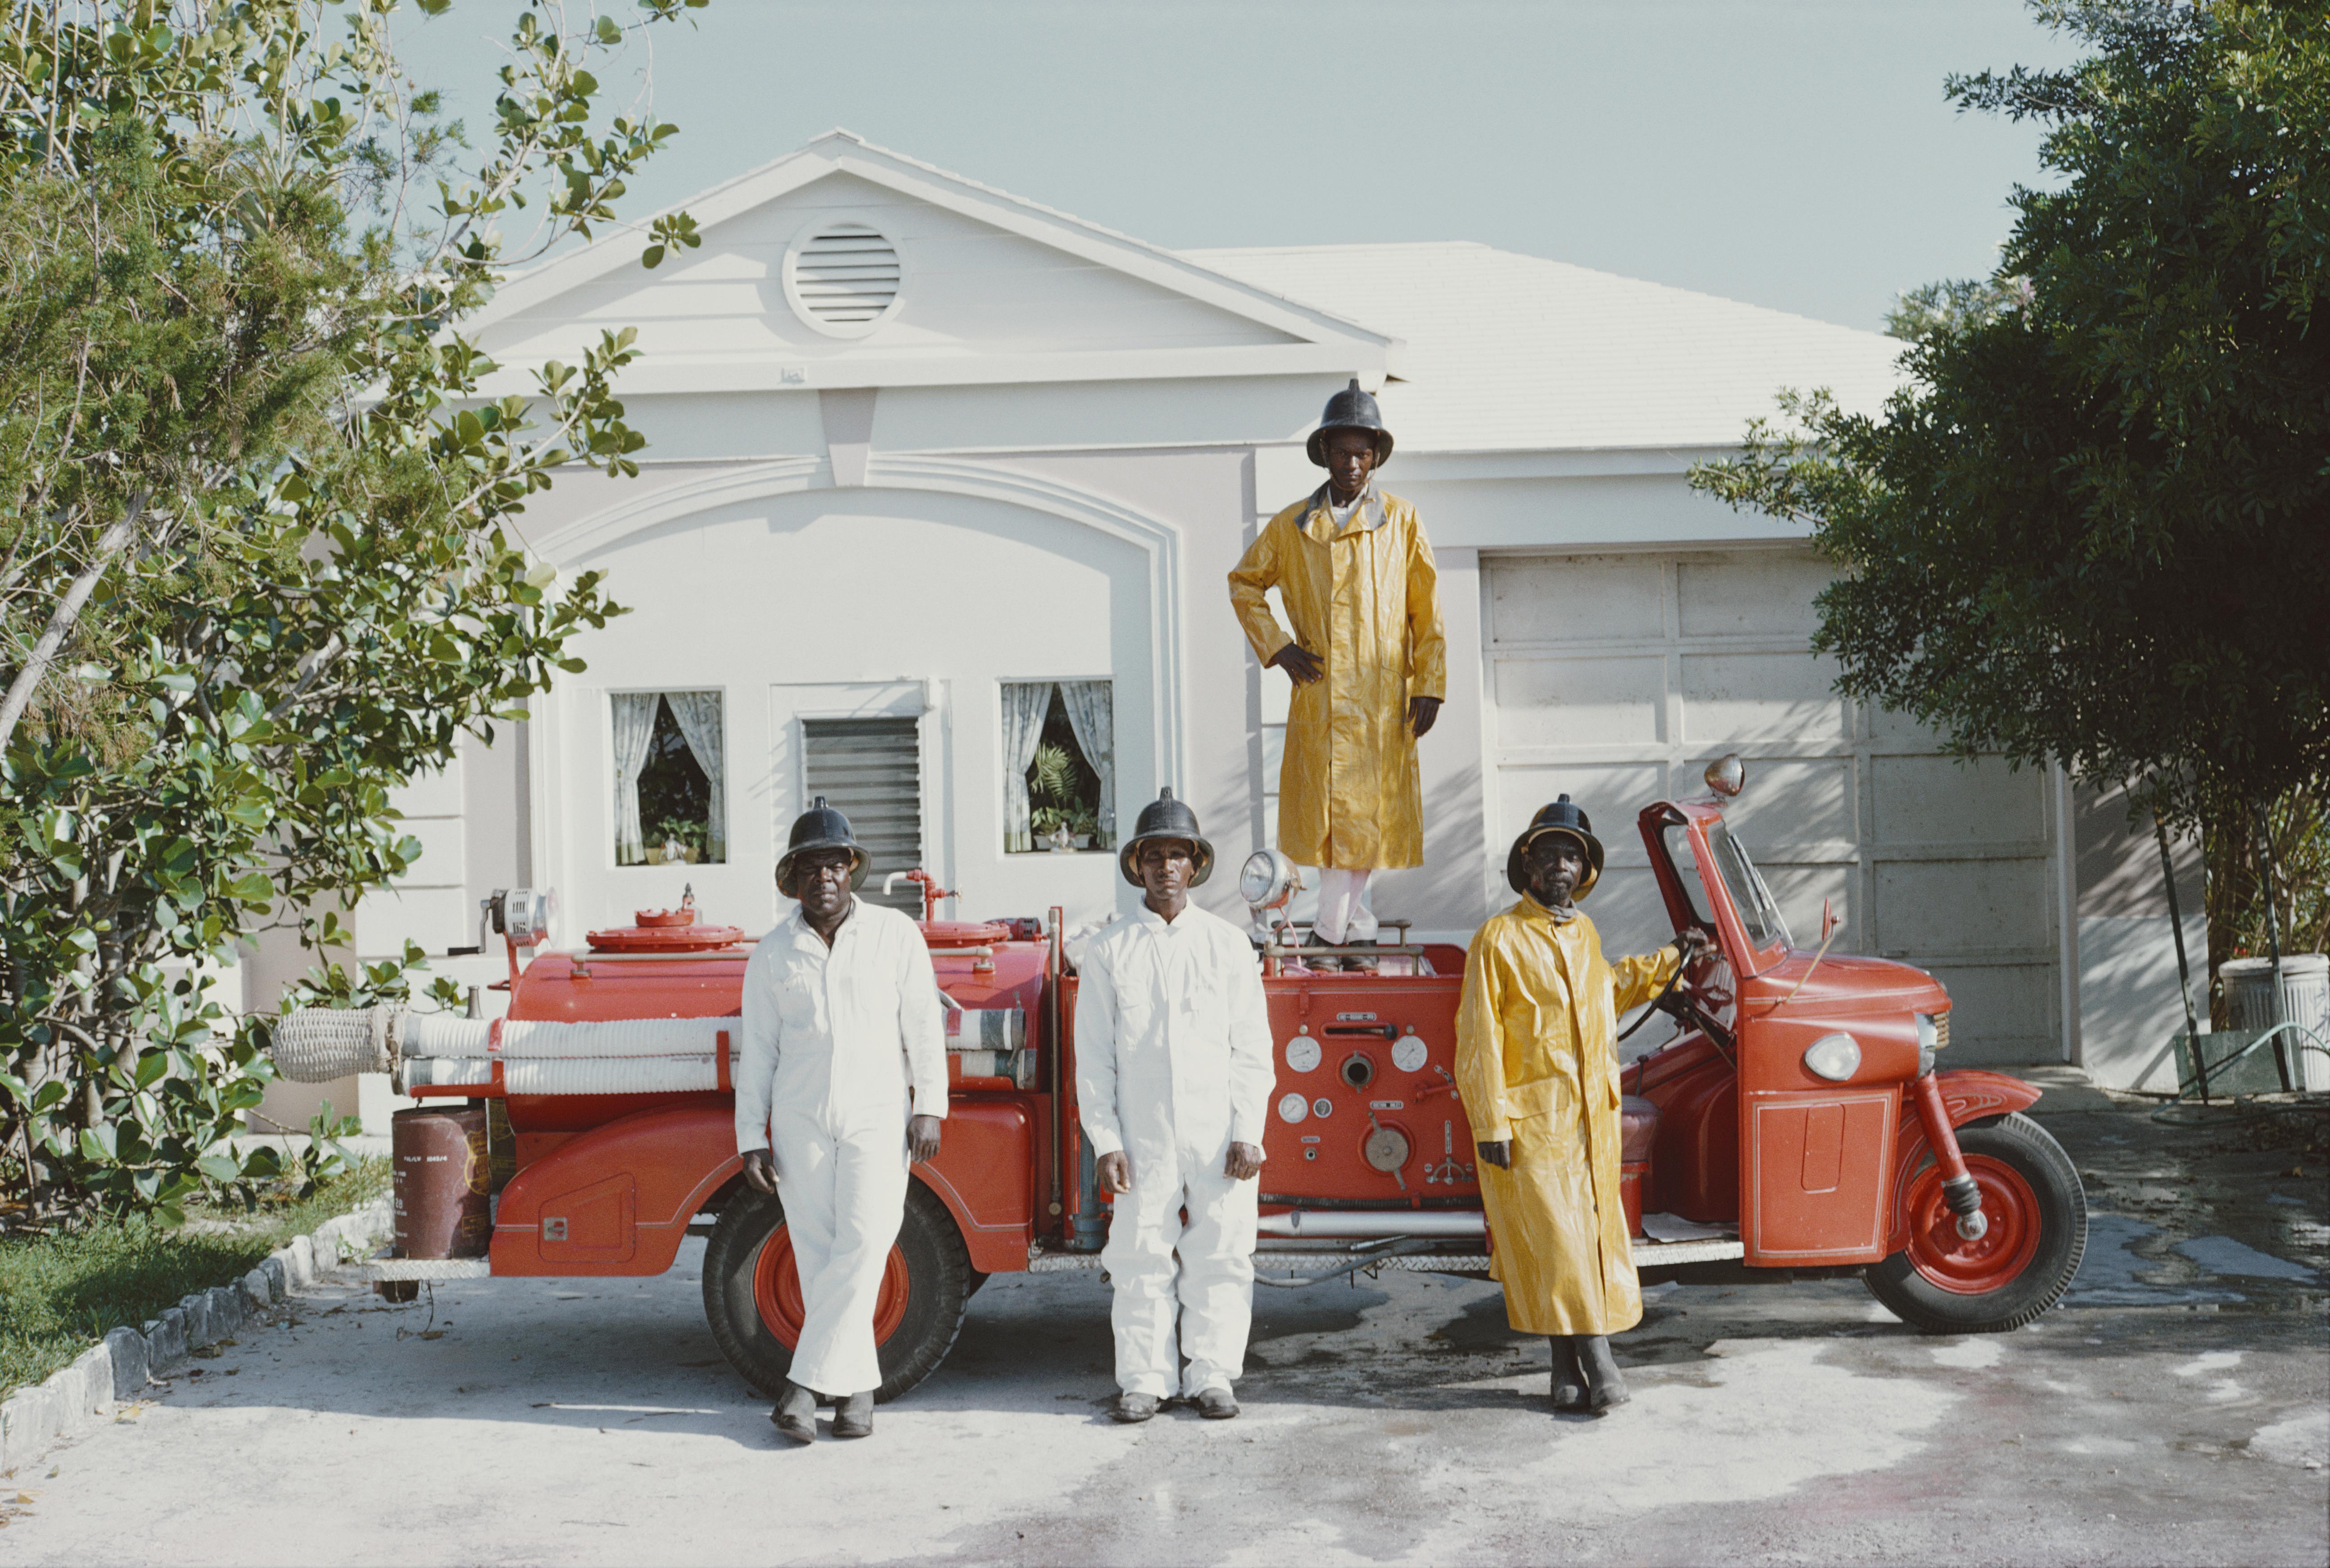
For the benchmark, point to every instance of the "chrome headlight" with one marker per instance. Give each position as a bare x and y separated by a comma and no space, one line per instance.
1835,1057
1929,1037
1268,879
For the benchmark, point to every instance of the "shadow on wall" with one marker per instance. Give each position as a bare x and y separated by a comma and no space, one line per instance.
1444,893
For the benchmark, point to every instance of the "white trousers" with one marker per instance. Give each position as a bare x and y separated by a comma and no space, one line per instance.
1343,913
1201,1272
845,1196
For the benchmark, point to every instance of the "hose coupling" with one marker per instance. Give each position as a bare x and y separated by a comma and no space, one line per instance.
1965,1198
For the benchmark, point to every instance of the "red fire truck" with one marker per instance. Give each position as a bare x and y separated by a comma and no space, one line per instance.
1796,1125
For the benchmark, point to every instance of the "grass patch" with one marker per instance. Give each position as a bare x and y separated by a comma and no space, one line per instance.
60,1294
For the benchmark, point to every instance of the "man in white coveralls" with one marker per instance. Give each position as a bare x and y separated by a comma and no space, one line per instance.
1173,1081
842,1077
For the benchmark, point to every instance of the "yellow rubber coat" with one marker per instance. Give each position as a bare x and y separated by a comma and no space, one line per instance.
1366,599
1537,1065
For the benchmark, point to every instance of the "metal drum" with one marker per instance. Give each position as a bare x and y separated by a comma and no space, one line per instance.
441,1177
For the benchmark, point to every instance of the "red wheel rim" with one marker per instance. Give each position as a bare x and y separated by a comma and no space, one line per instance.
1998,1258
777,1292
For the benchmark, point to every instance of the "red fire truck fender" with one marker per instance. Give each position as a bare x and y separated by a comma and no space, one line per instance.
1968,1094
617,1200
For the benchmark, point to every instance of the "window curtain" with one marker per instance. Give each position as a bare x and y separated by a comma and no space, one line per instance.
1092,714
1025,704
635,716
697,715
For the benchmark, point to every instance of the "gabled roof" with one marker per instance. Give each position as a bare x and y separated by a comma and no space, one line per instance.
1257,330
1511,353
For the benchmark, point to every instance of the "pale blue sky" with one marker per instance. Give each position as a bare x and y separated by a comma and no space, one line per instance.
1796,154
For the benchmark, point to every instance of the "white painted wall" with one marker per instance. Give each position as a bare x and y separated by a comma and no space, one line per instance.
782,603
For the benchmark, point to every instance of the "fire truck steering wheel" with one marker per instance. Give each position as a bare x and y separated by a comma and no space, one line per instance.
1683,1011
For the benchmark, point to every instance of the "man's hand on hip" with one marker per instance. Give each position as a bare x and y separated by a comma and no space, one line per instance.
923,1138
1114,1172
761,1171
1422,713
1300,663
1244,1164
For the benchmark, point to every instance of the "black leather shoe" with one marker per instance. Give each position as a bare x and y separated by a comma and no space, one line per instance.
1324,963
1604,1385
1359,963
1568,1382
1216,1405
1134,1407
854,1416
796,1413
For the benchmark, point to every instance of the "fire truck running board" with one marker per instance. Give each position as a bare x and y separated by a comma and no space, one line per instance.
1647,1254
429,1269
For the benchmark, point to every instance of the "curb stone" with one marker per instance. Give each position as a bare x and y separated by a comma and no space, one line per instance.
78,1397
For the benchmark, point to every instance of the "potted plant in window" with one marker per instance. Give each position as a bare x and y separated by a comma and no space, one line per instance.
678,840
1052,789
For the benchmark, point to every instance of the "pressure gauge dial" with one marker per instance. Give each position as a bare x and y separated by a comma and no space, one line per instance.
1302,1054
1409,1053
1294,1108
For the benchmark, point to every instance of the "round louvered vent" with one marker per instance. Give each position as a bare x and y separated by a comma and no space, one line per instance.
843,278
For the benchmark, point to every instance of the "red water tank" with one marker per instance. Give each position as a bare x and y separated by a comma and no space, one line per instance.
666,931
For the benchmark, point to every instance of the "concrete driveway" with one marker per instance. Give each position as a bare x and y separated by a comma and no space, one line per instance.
2177,1410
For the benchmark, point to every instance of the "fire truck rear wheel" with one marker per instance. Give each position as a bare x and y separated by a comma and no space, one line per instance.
938,1276
2036,1232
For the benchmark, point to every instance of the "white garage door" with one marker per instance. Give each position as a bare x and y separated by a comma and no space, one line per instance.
1617,677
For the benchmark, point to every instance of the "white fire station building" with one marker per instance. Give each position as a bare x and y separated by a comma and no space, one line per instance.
938,478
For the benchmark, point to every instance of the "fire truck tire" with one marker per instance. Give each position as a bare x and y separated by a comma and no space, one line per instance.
2037,1214
938,1276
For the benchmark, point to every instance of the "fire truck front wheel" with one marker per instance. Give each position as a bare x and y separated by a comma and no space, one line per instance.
2035,1233
753,1300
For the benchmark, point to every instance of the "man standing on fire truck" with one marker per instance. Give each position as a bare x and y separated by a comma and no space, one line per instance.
1368,659
842,1078
1537,1065
1173,1079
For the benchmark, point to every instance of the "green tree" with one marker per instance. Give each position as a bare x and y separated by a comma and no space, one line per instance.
2090,527
257,562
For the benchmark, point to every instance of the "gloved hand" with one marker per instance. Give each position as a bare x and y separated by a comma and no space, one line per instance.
1498,1152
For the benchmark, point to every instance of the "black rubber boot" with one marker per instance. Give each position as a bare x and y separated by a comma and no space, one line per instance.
1568,1382
1605,1385
1358,963
853,1417
796,1413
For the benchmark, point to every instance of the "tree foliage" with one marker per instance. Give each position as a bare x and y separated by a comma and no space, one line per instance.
258,551
2091,526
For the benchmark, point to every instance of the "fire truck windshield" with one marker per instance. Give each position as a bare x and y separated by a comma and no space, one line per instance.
1759,912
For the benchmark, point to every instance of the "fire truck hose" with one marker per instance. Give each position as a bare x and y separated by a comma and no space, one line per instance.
614,1056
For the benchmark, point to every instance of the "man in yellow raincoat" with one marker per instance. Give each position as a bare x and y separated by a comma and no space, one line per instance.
1537,1065
1369,663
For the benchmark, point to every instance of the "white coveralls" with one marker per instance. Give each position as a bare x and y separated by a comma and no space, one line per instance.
1173,1065
834,1041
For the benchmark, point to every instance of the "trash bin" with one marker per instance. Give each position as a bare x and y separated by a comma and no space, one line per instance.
2305,1001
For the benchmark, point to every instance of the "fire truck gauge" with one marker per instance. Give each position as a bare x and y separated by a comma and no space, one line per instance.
1409,1053
1323,1108
1292,1108
1302,1054
1386,1149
